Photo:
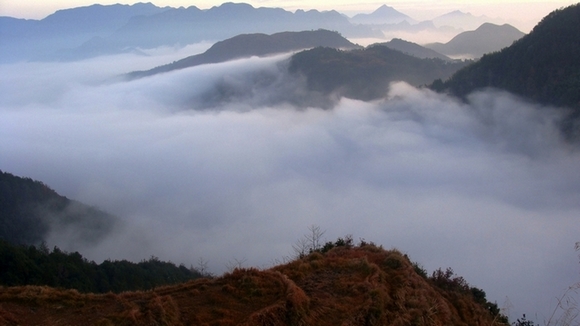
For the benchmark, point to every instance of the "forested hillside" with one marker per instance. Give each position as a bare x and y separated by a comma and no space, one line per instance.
365,74
29,208
542,66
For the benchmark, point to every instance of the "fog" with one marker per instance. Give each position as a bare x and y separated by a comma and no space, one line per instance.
488,188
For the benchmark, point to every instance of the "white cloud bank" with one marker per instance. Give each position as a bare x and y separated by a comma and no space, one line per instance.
488,189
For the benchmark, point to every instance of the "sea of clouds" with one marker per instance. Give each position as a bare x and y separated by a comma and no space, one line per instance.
232,162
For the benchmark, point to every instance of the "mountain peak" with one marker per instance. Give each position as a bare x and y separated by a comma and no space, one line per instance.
457,13
486,38
383,15
385,9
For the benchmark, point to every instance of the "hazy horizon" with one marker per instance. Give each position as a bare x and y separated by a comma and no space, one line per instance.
522,14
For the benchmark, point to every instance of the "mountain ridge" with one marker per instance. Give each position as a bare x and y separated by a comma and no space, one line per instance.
145,26
67,28
247,45
414,49
464,20
486,38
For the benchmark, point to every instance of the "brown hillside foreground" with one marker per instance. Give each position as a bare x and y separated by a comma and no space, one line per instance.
346,286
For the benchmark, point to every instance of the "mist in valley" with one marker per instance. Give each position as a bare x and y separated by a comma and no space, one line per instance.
232,162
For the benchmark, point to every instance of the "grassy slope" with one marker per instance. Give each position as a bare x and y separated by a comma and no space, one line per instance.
346,286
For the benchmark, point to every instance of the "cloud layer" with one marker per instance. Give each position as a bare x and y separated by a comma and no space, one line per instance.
487,188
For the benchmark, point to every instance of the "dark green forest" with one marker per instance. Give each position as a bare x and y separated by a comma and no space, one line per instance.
543,66
365,74
30,265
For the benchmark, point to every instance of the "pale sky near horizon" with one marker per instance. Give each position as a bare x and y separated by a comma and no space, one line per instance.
511,10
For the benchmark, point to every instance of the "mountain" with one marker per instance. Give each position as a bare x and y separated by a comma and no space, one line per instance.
247,45
463,20
418,32
30,210
319,77
486,38
542,66
414,49
182,26
23,39
97,18
365,74
383,15
347,285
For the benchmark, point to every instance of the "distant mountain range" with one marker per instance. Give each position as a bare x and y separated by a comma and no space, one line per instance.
393,23
474,44
30,210
542,66
22,39
190,25
247,45
86,32
463,20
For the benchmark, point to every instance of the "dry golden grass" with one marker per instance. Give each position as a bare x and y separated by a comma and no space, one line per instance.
346,286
